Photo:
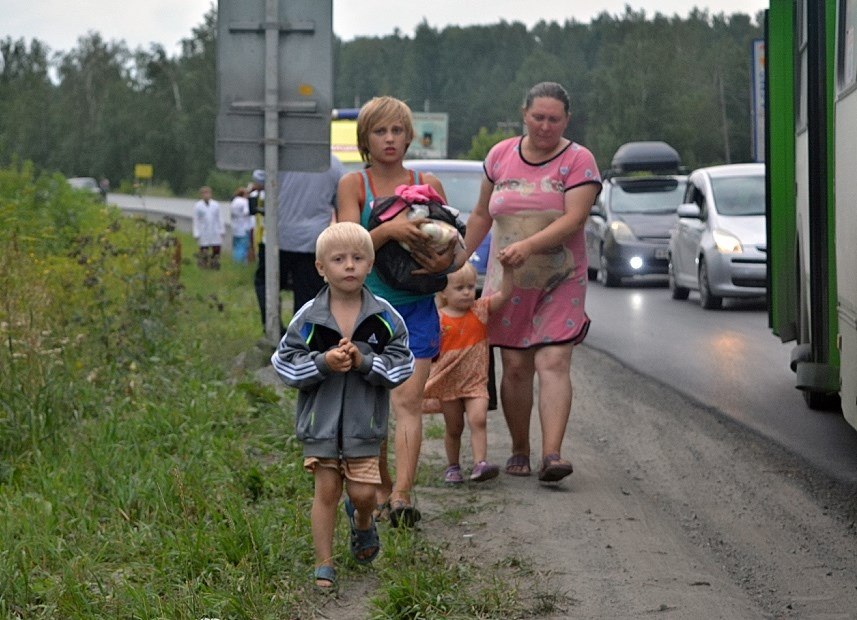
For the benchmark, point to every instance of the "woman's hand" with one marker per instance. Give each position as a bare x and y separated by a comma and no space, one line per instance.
432,259
401,229
423,250
514,254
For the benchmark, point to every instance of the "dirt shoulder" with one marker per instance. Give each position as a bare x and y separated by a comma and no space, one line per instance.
672,511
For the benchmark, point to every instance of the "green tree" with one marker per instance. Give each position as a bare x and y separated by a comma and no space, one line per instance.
484,140
26,93
101,108
90,75
196,78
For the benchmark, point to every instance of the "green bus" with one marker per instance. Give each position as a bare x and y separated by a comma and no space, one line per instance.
811,156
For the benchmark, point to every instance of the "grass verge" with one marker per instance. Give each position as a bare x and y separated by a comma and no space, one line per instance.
145,472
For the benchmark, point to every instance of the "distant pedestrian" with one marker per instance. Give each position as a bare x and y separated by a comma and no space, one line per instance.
104,187
307,202
256,198
344,350
242,225
208,229
458,383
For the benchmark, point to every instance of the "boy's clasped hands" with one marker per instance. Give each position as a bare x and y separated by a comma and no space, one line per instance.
345,357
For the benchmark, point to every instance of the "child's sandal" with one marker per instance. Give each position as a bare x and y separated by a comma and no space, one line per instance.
365,544
325,577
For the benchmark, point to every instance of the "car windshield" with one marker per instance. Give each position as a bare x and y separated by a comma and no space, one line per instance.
461,188
739,195
461,184
647,195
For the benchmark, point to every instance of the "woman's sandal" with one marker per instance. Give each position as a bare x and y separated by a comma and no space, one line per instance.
403,513
362,541
382,512
518,465
554,468
327,576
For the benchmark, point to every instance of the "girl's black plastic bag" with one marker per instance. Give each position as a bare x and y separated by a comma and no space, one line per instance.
393,263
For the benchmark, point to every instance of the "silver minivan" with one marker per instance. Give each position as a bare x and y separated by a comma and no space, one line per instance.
719,244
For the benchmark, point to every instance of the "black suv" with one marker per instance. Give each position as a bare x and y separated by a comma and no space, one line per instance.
628,229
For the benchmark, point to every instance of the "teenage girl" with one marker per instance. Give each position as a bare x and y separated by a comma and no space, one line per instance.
384,131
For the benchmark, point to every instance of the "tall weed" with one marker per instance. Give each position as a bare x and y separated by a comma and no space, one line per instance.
84,292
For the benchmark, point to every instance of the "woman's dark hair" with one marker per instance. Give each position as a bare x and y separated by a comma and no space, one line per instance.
548,89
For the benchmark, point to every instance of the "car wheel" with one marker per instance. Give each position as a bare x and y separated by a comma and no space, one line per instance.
707,299
605,276
676,291
591,273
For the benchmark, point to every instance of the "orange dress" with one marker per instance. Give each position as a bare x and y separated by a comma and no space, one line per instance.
461,369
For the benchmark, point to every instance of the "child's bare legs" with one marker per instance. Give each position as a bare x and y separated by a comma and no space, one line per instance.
407,400
477,421
362,496
453,418
328,490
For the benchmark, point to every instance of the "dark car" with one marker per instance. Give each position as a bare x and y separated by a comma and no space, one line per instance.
461,179
628,229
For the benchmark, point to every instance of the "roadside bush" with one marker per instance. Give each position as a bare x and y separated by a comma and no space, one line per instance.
84,292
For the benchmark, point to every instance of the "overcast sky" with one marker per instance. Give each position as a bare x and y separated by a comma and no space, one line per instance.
59,23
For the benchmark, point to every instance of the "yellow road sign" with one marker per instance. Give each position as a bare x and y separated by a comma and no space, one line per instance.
143,171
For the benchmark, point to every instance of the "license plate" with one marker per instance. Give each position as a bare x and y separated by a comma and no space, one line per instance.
662,253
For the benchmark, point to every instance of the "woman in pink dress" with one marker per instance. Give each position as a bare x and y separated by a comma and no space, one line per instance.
537,193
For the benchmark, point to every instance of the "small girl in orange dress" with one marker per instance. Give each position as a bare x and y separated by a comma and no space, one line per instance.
458,383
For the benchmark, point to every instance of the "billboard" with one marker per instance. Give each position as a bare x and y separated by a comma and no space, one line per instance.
343,141
430,136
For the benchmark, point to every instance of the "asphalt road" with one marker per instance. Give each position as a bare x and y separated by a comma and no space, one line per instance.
726,360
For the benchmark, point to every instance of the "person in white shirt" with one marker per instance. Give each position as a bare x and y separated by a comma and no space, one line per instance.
207,229
242,224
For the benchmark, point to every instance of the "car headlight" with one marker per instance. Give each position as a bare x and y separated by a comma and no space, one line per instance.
621,232
727,243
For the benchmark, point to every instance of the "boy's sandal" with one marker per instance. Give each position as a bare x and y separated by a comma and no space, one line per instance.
327,576
404,514
518,465
554,468
365,544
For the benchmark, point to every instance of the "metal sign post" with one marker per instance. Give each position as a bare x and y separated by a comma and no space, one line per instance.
272,250
275,92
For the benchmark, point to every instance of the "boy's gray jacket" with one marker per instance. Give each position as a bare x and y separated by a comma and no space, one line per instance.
343,415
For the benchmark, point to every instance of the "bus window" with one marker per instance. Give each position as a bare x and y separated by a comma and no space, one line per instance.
801,73
845,65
